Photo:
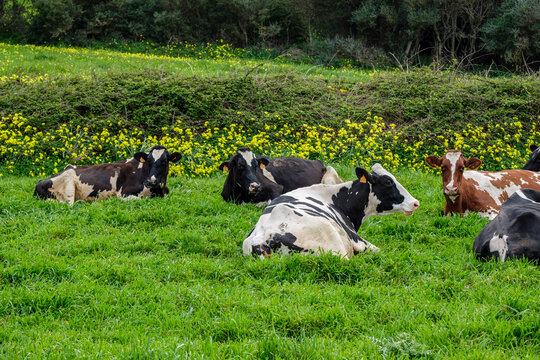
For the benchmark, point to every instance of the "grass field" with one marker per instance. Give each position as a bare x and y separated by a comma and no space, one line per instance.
38,60
165,278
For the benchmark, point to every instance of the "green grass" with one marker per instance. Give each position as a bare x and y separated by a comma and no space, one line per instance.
165,278
33,60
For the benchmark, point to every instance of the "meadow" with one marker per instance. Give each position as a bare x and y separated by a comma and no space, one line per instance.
165,278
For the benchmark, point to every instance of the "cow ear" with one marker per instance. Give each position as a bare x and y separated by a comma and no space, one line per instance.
433,161
263,162
473,163
533,147
224,166
140,156
364,176
174,157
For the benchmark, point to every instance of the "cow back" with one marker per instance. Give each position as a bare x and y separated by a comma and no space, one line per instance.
515,231
293,173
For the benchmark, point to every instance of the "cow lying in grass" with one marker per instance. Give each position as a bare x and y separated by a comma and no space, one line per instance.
534,162
515,231
143,175
326,218
259,179
480,191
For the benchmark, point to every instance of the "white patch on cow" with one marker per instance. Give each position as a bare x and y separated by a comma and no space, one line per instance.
268,175
140,166
371,206
104,194
130,160
484,183
331,177
499,244
453,157
408,205
67,187
157,153
453,198
248,156
314,233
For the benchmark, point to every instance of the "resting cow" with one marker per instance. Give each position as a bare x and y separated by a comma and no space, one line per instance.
515,231
534,162
144,175
480,191
259,179
326,218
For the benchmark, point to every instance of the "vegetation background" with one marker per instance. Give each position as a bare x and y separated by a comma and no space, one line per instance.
165,278
372,32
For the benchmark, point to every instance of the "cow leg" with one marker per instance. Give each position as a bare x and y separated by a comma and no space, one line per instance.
362,245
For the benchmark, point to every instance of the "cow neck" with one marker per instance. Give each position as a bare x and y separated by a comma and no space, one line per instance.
354,201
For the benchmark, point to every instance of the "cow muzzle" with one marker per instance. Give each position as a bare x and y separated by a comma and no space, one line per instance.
254,187
451,191
153,184
414,206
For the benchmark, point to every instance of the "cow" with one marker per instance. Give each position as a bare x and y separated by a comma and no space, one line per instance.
479,191
260,179
515,231
143,175
325,218
534,162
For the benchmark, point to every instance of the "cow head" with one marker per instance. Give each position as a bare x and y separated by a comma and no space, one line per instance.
387,195
534,162
157,161
452,165
242,183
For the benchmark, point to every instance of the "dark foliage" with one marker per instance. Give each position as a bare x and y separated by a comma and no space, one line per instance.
404,31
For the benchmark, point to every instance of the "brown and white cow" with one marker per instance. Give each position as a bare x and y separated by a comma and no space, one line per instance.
480,191
143,175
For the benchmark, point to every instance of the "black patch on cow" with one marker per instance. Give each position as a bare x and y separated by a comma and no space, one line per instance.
289,174
42,189
534,162
293,173
518,220
388,194
276,242
352,202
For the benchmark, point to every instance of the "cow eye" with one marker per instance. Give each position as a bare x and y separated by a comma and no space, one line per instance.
443,168
241,167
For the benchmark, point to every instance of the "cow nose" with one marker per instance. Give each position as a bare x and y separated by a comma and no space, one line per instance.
416,205
451,190
254,187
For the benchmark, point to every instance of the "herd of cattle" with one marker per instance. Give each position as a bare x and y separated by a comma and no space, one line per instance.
311,210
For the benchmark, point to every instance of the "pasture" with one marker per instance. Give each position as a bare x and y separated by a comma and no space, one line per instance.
165,278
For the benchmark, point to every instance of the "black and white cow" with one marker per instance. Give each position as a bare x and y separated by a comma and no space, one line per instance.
326,218
515,231
259,179
534,162
143,175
